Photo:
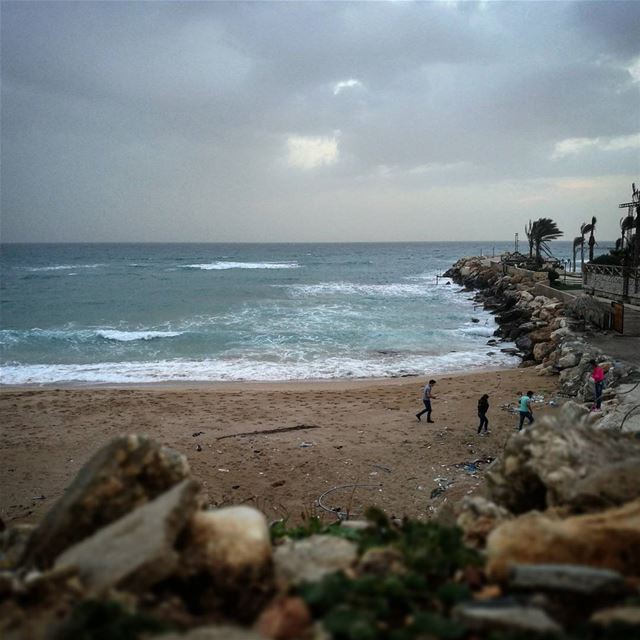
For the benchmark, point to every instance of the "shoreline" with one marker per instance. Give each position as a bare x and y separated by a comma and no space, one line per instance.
229,384
336,433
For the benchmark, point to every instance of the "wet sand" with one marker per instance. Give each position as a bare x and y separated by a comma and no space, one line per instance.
311,438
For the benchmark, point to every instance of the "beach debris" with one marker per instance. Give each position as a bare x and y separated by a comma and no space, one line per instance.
443,485
124,474
198,447
264,432
197,433
305,445
278,483
224,470
41,497
382,468
337,511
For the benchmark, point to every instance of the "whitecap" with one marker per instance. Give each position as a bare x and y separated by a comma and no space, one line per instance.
221,265
130,336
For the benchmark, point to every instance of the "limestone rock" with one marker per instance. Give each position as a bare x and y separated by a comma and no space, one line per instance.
478,517
137,551
542,349
566,578
563,461
381,561
13,542
231,543
481,616
126,473
629,616
311,559
285,619
608,540
569,360
218,632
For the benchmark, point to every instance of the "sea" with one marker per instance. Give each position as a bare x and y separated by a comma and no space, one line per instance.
155,313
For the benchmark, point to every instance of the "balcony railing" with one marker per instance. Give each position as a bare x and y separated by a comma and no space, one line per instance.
622,281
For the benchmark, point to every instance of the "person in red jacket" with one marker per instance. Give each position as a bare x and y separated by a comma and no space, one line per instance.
597,375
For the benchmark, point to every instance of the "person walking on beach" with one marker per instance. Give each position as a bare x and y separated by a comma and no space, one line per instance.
483,407
525,409
426,398
597,375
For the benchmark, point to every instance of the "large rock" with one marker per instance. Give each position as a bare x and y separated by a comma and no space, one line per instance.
478,518
608,540
311,559
567,578
126,473
138,550
217,632
564,461
231,544
484,616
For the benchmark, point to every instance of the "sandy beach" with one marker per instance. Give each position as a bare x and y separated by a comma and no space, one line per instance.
311,437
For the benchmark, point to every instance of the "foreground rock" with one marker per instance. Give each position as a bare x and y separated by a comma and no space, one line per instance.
129,472
137,551
565,461
608,540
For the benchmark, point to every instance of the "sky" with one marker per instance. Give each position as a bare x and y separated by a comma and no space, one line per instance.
315,121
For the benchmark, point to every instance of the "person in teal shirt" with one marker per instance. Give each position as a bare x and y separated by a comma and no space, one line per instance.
525,409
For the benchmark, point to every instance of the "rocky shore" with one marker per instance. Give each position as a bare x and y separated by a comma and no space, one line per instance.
551,550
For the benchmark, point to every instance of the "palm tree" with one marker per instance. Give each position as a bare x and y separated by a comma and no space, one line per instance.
527,230
543,230
584,229
592,239
626,224
577,242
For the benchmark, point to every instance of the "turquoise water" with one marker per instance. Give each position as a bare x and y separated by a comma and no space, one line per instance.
127,313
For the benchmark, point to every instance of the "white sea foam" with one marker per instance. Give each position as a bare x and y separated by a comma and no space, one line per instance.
248,368
221,265
63,267
12,336
130,336
393,290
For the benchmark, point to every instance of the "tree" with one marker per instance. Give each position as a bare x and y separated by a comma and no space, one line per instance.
584,229
543,230
592,239
578,241
527,229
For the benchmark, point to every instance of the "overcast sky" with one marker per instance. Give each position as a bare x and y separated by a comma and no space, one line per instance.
316,121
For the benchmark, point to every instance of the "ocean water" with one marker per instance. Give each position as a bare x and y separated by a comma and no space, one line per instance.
141,313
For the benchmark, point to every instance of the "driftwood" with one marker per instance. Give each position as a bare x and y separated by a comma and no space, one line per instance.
298,427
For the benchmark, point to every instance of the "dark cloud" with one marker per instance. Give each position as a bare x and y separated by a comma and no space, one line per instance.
171,121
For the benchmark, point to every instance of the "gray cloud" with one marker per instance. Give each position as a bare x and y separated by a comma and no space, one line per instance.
175,121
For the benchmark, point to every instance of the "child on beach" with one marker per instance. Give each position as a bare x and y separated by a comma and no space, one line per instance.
426,399
597,375
525,409
483,407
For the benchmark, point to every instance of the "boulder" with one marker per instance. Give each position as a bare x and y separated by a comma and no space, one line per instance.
231,544
504,615
542,349
608,540
563,461
285,618
569,360
566,578
126,473
524,343
309,560
618,616
138,550
217,632
478,517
